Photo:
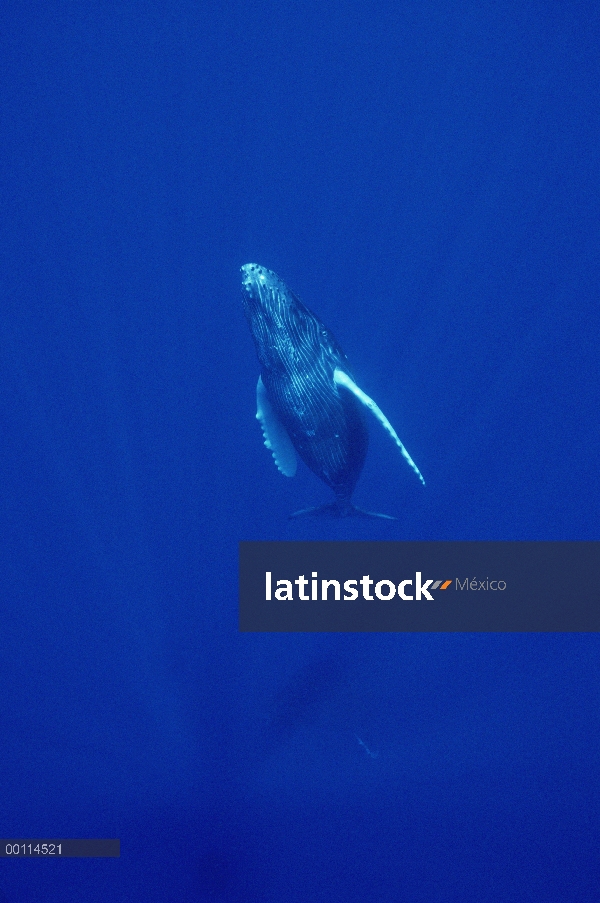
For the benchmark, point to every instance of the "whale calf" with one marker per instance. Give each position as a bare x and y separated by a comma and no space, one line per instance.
308,403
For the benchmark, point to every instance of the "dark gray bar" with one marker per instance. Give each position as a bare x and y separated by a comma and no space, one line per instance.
491,586
44,848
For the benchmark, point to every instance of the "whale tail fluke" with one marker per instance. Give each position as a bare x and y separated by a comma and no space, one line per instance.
339,509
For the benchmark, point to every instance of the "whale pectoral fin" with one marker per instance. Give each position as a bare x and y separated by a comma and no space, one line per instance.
342,379
276,437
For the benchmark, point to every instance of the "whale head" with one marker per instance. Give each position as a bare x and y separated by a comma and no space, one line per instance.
280,324
266,297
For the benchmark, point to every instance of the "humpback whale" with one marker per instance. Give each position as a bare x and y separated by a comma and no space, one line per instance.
307,400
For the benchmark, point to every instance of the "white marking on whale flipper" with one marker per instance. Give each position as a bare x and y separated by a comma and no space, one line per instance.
276,436
342,379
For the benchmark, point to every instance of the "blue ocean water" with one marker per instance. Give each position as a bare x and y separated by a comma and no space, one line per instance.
425,176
